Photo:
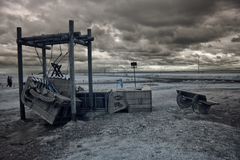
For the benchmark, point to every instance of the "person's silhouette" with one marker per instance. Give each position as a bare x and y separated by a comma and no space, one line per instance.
9,81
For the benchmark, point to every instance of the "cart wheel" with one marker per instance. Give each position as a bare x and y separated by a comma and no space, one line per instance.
183,102
201,108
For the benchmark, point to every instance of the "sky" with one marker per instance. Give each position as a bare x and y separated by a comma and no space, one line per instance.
160,35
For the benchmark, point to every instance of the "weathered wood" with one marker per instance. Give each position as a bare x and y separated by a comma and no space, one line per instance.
117,101
46,103
52,39
49,36
209,103
44,63
133,100
190,95
90,81
72,70
81,42
42,44
43,41
197,101
31,44
20,72
139,100
144,94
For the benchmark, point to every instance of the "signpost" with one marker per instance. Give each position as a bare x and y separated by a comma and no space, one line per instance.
134,65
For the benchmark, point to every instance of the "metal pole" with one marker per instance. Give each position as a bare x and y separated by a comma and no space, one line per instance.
134,77
198,64
20,72
90,84
44,65
72,74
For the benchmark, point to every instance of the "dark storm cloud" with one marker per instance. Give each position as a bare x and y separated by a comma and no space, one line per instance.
196,34
161,13
155,32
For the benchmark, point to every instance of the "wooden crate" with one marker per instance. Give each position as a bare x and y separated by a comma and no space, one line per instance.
139,100
130,99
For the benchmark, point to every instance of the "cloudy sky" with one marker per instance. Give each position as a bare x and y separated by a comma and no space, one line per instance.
158,34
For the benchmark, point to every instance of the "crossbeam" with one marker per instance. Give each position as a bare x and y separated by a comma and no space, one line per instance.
53,39
49,36
81,42
30,44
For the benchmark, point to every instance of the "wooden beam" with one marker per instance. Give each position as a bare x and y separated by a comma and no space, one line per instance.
31,44
44,63
90,81
85,38
89,39
81,42
51,42
72,70
62,38
20,72
50,36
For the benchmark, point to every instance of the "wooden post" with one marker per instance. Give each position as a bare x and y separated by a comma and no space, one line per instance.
72,73
20,72
134,66
90,83
198,63
44,64
134,77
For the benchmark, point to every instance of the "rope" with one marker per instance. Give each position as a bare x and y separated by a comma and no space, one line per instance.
38,56
59,58
50,60
62,57
68,66
60,48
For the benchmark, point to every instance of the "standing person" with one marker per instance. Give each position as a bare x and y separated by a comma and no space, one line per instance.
9,81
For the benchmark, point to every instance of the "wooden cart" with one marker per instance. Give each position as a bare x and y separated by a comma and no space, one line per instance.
198,102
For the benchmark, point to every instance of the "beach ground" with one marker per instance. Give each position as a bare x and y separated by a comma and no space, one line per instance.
165,133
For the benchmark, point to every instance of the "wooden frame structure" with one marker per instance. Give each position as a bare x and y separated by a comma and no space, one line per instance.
43,42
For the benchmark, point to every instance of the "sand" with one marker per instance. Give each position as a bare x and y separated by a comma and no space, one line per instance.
165,133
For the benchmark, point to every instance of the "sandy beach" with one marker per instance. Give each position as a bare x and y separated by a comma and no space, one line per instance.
165,133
